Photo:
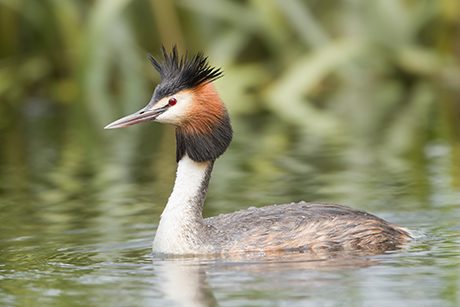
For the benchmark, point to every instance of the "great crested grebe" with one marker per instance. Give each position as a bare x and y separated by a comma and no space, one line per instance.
187,99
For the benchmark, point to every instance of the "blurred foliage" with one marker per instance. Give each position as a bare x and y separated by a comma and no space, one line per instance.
377,80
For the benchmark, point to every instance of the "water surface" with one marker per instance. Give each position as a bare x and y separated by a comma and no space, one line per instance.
76,226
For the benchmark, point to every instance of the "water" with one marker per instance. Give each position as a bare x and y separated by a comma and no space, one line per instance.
78,233
126,274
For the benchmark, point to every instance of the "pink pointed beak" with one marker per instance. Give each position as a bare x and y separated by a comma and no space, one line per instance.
136,118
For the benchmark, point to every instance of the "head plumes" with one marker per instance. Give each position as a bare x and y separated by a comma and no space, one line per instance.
179,73
187,99
203,129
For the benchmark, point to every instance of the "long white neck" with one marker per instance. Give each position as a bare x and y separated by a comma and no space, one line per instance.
181,228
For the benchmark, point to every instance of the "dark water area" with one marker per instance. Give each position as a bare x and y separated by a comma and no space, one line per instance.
79,212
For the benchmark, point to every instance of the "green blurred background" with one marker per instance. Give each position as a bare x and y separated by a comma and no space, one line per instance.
374,80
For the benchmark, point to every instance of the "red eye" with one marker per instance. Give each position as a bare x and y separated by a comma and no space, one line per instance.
172,101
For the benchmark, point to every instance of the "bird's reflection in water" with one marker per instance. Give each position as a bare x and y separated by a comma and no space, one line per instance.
185,282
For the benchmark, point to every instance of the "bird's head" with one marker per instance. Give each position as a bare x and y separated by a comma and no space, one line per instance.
187,99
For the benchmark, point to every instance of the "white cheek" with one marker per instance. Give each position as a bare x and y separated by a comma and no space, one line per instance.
177,113
172,116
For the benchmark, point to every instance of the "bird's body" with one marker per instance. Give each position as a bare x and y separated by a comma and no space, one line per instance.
187,99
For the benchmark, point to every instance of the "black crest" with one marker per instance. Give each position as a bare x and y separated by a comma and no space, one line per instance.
179,73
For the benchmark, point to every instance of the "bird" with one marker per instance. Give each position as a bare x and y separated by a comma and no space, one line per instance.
187,99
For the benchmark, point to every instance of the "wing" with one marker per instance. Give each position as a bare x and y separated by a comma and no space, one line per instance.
308,226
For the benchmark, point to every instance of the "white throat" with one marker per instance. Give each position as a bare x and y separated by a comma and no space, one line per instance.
181,228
